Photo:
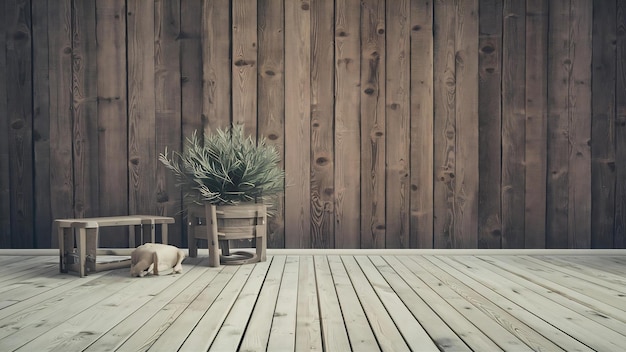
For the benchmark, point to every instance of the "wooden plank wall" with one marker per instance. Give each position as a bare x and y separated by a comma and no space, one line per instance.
402,124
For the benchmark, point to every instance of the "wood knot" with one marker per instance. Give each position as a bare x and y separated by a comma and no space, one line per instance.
488,49
369,91
416,28
17,124
322,161
242,62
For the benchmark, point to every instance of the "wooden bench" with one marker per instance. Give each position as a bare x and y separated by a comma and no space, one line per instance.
82,258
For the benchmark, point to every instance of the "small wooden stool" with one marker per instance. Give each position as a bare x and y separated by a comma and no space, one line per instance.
225,223
87,230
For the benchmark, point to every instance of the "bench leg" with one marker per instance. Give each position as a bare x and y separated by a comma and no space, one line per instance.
131,236
82,249
144,231
164,233
92,249
66,241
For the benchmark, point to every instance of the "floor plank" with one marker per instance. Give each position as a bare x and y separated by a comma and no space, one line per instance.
387,334
357,326
283,333
533,298
260,324
324,301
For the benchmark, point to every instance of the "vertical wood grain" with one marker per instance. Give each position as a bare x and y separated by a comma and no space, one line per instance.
271,98
41,127
191,73
298,124
112,115
603,124
422,117
191,66
513,123
85,108
490,123
244,69
397,124
19,109
536,122
141,107
619,239
5,188
60,78
216,67
373,135
444,129
579,120
168,109
466,175
322,124
559,71
347,127
392,116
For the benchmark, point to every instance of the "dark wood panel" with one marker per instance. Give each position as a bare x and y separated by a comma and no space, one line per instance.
536,123
244,69
190,79
41,126
422,118
168,109
490,123
603,125
322,125
397,124
85,108
373,130
579,120
19,109
444,54
60,78
216,65
191,65
112,116
5,188
298,124
141,107
271,99
347,126
619,239
559,70
513,123
466,145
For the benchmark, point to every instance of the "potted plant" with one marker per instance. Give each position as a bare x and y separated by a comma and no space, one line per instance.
223,172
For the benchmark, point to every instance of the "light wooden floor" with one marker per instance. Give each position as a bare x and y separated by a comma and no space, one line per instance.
450,301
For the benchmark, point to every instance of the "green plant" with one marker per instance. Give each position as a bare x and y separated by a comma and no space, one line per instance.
227,168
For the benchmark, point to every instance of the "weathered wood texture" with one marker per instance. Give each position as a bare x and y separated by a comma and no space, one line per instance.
539,300
402,124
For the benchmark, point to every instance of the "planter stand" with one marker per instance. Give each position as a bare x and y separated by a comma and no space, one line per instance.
220,224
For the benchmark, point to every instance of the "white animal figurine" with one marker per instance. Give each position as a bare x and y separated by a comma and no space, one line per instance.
155,258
